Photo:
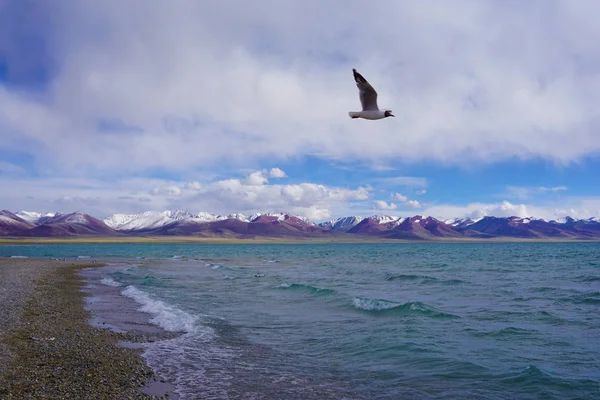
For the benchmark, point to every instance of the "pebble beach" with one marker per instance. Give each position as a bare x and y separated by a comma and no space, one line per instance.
48,350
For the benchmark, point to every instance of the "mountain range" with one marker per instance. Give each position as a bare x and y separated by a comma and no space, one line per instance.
283,225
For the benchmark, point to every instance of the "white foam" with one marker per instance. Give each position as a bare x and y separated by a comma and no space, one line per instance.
82,257
110,282
19,257
164,315
373,304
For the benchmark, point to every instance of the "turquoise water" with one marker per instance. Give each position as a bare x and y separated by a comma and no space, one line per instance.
364,321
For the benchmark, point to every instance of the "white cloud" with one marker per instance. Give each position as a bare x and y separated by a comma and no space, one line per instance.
406,202
413,204
421,192
382,205
256,179
261,177
400,197
224,196
196,84
306,199
276,173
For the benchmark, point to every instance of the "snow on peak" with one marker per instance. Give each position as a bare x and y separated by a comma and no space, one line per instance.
76,218
239,216
462,222
156,219
342,224
564,220
280,216
384,219
203,217
30,216
33,216
178,215
145,220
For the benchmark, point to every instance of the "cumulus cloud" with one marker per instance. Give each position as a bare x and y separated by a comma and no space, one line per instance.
413,204
382,205
405,201
400,197
310,200
479,210
276,173
255,194
256,179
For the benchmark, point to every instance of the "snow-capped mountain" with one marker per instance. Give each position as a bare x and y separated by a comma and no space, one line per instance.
71,224
418,227
462,222
344,224
281,217
386,219
33,216
11,223
154,219
182,223
341,224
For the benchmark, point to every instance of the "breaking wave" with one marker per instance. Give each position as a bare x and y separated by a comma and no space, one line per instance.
110,282
306,288
379,306
164,315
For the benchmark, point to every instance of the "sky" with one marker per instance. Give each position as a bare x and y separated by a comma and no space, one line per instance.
125,106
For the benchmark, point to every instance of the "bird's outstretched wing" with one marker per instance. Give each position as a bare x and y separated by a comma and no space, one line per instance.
368,95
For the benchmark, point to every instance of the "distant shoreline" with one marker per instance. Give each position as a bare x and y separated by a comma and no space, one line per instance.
267,240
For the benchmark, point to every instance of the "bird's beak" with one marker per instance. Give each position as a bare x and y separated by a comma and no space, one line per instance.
392,115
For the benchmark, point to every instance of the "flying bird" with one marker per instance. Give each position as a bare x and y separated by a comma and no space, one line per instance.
368,100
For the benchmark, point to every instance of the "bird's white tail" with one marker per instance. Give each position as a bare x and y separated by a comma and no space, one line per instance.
354,114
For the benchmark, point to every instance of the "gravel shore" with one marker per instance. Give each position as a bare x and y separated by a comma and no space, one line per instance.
47,348
17,281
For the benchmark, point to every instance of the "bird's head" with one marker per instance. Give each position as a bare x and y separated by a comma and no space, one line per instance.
388,113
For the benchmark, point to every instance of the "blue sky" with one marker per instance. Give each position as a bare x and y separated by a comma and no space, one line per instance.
129,106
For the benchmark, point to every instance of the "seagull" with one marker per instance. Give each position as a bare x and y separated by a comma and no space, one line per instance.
368,100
